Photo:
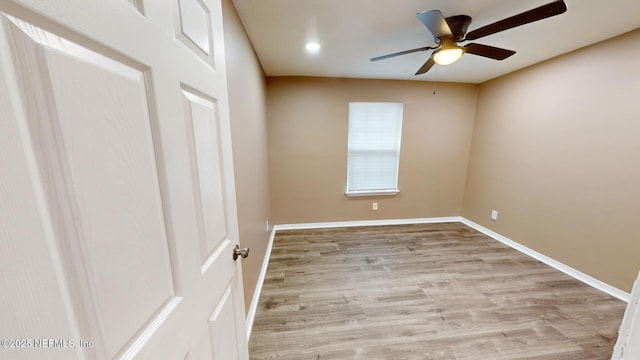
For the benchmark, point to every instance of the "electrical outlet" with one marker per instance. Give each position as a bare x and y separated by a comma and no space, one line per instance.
494,215
267,222
374,206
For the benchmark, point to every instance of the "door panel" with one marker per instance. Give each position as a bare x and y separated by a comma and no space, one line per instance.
103,139
118,217
222,329
193,27
204,123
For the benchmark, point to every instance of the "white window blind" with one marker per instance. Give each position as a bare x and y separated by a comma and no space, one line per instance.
375,129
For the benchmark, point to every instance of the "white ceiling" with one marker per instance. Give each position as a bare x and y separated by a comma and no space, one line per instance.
353,31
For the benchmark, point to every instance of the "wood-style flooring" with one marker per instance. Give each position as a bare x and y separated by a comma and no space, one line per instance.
433,291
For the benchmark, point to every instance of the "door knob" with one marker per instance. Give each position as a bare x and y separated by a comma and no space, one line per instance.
238,252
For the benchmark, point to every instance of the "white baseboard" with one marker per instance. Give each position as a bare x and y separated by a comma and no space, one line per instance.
337,224
256,293
576,274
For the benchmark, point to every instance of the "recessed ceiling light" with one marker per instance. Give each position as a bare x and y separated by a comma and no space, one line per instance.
312,47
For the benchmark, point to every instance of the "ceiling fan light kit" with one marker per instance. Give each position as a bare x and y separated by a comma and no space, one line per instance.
448,32
448,53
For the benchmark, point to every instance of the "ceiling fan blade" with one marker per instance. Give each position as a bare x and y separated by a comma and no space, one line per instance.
555,8
426,66
435,22
401,53
488,51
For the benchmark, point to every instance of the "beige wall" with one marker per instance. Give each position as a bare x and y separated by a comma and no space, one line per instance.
247,103
556,150
308,120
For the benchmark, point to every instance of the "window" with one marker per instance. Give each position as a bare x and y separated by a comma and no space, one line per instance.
375,129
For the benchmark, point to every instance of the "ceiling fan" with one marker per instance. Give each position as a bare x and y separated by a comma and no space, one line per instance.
448,32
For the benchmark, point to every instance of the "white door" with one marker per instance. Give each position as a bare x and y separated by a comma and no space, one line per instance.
628,344
117,201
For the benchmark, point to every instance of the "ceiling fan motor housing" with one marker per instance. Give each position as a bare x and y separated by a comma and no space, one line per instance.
458,25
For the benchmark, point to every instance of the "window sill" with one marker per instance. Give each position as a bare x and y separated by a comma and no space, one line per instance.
373,193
